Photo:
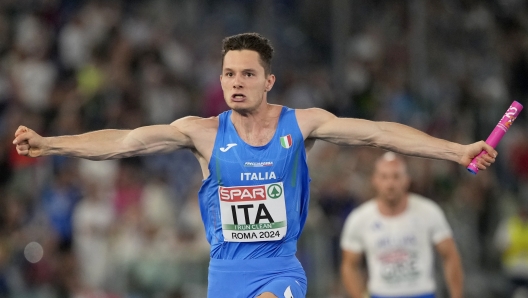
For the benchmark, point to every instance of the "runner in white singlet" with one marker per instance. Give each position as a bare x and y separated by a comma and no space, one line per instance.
397,232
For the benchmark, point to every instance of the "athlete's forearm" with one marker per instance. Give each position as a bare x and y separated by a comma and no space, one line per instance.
409,141
454,276
353,281
96,145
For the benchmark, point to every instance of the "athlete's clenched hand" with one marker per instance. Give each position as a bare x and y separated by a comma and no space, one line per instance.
472,150
28,142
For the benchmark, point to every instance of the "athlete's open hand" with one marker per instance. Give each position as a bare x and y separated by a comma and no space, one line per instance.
473,150
28,142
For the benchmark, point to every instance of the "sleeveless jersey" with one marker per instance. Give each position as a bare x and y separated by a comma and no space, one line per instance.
255,201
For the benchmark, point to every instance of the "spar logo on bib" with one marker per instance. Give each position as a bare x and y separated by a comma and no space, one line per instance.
286,141
274,191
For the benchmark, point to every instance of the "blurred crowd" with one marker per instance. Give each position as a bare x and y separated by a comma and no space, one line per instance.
132,228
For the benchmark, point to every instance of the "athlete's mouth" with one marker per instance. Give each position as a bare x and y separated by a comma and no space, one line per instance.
238,97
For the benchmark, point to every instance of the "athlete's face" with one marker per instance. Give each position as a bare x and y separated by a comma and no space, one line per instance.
244,81
390,180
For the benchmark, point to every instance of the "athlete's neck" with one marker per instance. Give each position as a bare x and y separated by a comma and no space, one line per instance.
257,128
394,207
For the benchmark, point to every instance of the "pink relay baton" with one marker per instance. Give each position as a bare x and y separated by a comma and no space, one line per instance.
498,132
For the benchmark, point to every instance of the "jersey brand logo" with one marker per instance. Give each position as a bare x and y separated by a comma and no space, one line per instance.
229,146
258,164
288,293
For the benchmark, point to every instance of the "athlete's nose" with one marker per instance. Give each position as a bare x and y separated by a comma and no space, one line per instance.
236,82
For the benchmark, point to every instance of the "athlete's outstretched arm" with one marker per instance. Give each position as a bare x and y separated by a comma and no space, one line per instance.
320,124
106,144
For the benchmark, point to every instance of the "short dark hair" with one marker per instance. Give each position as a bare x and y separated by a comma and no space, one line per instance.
250,41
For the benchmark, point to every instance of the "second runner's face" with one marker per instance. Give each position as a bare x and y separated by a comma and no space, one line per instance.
244,81
390,181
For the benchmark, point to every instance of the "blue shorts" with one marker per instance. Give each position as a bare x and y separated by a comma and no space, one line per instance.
282,276
414,296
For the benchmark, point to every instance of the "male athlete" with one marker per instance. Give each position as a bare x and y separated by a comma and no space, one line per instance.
254,197
397,232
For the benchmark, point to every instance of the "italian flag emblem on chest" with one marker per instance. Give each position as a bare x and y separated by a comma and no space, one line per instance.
286,141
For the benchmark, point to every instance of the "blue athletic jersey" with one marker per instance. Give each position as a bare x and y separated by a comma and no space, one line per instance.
246,186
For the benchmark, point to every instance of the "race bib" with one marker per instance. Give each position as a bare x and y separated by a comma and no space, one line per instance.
399,266
253,213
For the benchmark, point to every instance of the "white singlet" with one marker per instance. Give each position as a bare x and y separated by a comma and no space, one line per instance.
398,249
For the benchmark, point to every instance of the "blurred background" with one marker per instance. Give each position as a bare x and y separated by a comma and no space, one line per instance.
132,228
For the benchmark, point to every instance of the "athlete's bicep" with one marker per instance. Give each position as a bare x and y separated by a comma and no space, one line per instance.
323,125
351,258
158,138
447,248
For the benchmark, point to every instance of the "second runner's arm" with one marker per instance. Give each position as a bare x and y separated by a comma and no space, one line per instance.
452,266
352,275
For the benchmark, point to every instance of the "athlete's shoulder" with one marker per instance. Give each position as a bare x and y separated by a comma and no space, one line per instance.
313,114
201,131
312,118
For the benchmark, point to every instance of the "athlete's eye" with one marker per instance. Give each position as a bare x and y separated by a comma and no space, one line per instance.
228,74
250,74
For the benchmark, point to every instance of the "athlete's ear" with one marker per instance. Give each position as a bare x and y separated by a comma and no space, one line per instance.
270,81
